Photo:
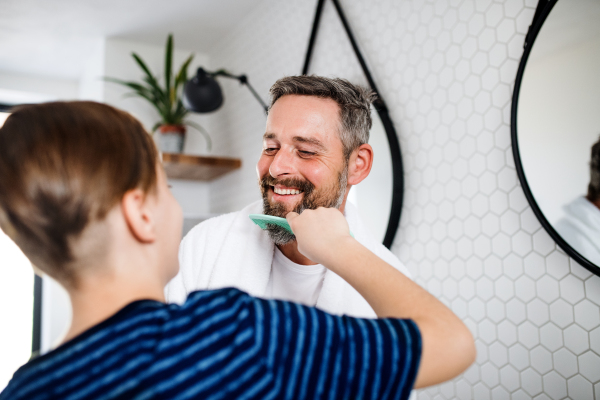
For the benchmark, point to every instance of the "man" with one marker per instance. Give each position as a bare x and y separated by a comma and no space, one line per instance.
314,150
580,227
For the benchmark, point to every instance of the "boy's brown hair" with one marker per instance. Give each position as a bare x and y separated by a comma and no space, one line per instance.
62,166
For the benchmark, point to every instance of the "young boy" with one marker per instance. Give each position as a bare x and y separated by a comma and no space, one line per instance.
83,195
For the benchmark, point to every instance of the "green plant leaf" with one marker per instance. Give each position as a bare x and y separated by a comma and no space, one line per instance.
151,79
169,67
202,131
181,78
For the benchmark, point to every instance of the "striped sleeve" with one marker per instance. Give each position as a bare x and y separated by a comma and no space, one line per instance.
315,355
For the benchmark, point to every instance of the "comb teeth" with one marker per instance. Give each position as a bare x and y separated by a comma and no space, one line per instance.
263,221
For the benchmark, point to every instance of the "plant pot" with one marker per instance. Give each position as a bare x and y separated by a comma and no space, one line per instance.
171,138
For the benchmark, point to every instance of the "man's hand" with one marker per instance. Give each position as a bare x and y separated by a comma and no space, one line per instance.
319,232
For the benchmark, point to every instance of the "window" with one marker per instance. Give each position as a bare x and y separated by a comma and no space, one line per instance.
16,304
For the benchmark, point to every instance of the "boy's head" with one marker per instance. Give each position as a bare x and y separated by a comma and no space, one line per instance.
64,168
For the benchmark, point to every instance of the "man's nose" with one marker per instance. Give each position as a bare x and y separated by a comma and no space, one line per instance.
282,164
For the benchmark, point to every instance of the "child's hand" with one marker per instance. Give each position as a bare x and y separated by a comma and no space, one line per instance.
318,232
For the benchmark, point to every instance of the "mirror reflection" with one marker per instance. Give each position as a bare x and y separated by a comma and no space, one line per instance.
559,123
373,197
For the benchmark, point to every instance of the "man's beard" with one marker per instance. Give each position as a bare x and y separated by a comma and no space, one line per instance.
331,197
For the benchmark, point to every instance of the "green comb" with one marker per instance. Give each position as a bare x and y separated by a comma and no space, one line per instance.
264,220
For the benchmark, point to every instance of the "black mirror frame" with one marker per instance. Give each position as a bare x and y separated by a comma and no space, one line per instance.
382,110
543,10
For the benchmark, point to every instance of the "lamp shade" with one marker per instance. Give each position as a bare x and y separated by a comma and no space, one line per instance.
202,93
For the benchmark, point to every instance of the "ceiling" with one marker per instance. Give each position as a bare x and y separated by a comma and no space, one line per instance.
54,38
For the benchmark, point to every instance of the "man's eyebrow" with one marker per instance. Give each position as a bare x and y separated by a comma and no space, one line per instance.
312,141
269,135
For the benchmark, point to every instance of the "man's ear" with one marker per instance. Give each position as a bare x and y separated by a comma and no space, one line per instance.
138,214
360,163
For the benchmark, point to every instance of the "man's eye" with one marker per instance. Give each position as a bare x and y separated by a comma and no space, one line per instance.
270,150
304,153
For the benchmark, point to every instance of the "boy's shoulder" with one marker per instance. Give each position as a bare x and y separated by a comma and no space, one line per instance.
128,344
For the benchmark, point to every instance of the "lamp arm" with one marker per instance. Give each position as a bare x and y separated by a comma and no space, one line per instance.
243,79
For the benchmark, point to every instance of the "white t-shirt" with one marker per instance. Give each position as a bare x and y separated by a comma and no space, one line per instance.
294,282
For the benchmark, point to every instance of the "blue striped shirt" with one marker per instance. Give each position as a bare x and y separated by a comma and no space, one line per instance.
225,344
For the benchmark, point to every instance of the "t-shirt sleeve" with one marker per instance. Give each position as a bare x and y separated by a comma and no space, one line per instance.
312,354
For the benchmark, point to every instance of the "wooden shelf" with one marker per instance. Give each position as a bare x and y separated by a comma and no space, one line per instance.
185,166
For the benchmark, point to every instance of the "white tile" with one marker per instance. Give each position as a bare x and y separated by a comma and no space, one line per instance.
547,289
592,289
534,265
466,289
490,224
518,356
525,288
557,265
484,288
561,313
487,331
495,310
551,337
580,388
541,359
565,362
521,243
515,311
476,309
529,334
507,333
529,222
517,200
505,30
509,222
589,366
537,312
576,339
513,266
555,385
595,340
490,375
543,243
501,244
480,391
531,382
499,393
504,288
498,354
587,315
509,378
571,289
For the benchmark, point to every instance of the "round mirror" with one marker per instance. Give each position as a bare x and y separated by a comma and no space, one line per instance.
373,196
556,122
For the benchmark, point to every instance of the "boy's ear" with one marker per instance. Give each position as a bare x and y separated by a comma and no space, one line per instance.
138,215
360,163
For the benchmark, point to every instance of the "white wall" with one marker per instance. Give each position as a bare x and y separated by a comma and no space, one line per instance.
446,71
18,88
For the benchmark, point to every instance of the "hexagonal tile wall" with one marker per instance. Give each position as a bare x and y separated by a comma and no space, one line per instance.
446,69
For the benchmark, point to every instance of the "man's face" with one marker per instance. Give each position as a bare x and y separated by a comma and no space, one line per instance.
302,165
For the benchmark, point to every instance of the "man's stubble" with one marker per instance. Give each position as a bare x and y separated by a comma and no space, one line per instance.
331,197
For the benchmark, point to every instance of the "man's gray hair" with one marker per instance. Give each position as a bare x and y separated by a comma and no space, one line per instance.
594,186
354,101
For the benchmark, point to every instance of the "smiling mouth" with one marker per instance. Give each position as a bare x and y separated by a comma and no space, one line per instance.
285,191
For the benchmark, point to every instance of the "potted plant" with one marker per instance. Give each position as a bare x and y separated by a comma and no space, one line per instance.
167,100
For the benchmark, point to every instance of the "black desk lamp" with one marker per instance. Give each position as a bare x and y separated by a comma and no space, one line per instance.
203,94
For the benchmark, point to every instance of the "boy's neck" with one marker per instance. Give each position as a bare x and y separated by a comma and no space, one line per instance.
99,298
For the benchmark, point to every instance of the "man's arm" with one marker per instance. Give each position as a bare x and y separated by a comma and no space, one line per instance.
447,345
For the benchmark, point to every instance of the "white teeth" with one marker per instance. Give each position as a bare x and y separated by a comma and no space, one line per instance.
285,191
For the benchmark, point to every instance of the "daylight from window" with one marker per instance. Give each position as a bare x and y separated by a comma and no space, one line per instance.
16,308
16,305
